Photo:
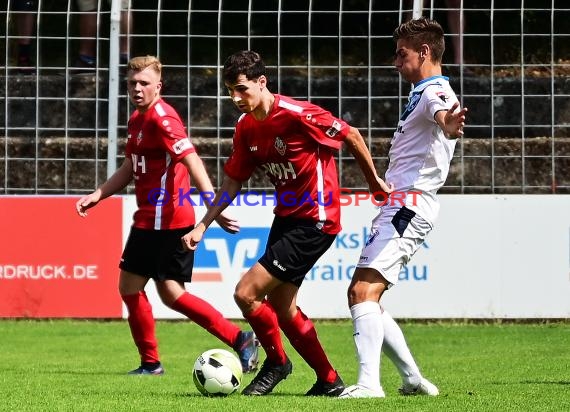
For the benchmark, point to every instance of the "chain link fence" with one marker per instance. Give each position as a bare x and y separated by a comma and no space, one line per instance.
64,109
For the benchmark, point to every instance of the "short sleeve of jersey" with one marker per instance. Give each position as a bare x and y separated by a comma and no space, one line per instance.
438,98
239,165
322,126
176,141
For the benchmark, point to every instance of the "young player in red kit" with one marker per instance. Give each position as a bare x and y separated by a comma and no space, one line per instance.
294,143
159,157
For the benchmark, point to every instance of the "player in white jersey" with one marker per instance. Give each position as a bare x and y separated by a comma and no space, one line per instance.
420,154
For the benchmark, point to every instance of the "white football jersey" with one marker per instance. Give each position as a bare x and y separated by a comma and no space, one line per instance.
420,153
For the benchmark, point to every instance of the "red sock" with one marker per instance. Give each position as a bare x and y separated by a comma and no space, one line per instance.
205,315
263,321
141,323
303,337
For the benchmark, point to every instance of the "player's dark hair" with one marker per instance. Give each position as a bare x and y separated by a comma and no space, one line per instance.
422,31
245,62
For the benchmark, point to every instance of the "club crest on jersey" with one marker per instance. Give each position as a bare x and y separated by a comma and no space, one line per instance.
139,137
280,146
334,129
412,103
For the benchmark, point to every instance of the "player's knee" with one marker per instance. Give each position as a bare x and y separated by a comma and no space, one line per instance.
359,292
243,300
352,296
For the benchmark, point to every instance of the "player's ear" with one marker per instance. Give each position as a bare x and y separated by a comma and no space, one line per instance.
262,80
158,87
424,50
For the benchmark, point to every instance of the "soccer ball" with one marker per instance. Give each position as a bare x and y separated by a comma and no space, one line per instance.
217,372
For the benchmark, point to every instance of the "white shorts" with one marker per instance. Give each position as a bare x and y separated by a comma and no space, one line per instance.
91,5
395,235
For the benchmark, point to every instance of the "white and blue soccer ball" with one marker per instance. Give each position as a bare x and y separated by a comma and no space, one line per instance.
217,372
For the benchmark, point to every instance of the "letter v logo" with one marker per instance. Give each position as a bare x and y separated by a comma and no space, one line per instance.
226,256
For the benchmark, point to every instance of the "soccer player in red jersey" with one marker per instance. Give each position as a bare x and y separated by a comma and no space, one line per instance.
294,143
159,157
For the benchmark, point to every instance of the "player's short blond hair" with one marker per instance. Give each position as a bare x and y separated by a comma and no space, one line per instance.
140,63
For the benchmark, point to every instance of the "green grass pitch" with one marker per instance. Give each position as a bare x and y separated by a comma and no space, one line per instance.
76,365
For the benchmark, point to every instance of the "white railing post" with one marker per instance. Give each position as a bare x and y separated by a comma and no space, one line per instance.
112,114
417,9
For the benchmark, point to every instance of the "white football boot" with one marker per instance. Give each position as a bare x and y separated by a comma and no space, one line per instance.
357,391
424,388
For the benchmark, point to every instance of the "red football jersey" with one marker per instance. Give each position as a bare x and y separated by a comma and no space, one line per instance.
156,142
295,147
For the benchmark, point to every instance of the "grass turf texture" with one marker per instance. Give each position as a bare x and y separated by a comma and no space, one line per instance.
64,365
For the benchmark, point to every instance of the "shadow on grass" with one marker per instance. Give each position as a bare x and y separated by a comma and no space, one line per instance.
547,382
535,382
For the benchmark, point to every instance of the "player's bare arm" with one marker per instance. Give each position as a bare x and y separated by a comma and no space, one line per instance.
356,145
452,121
202,181
229,190
117,182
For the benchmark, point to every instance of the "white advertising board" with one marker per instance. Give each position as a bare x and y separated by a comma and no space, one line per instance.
488,257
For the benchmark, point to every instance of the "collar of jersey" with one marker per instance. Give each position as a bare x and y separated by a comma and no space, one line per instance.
429,79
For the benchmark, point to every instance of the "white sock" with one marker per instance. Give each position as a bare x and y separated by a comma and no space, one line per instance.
368,337
396,348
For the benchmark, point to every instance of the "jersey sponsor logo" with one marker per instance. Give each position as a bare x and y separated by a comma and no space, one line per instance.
139,137
334,129
222,255
280,171
181,145
280,146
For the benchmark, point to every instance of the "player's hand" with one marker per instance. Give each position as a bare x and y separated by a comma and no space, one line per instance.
228,223
87,202
380,189
455,121
191,239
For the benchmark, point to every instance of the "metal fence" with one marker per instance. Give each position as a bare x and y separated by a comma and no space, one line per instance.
64,119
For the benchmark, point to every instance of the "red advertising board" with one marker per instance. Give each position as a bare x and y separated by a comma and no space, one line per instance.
55,264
